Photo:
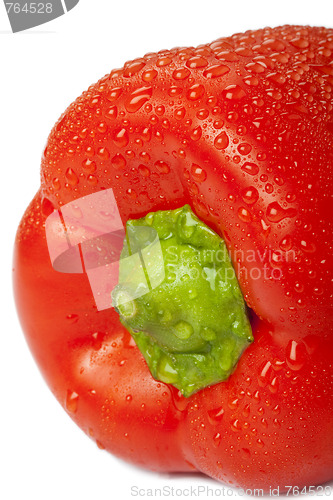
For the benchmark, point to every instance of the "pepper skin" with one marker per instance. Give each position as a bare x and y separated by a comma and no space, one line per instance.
241,130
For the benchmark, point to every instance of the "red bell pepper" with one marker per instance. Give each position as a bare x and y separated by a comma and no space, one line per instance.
224,146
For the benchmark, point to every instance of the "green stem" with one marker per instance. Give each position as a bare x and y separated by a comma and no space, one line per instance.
179,298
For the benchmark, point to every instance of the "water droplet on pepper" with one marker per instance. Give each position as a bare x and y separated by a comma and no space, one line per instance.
275,213
221,141
138,98
71,177
250,168
71,402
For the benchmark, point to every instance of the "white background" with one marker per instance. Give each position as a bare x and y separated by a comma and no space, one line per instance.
45,456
